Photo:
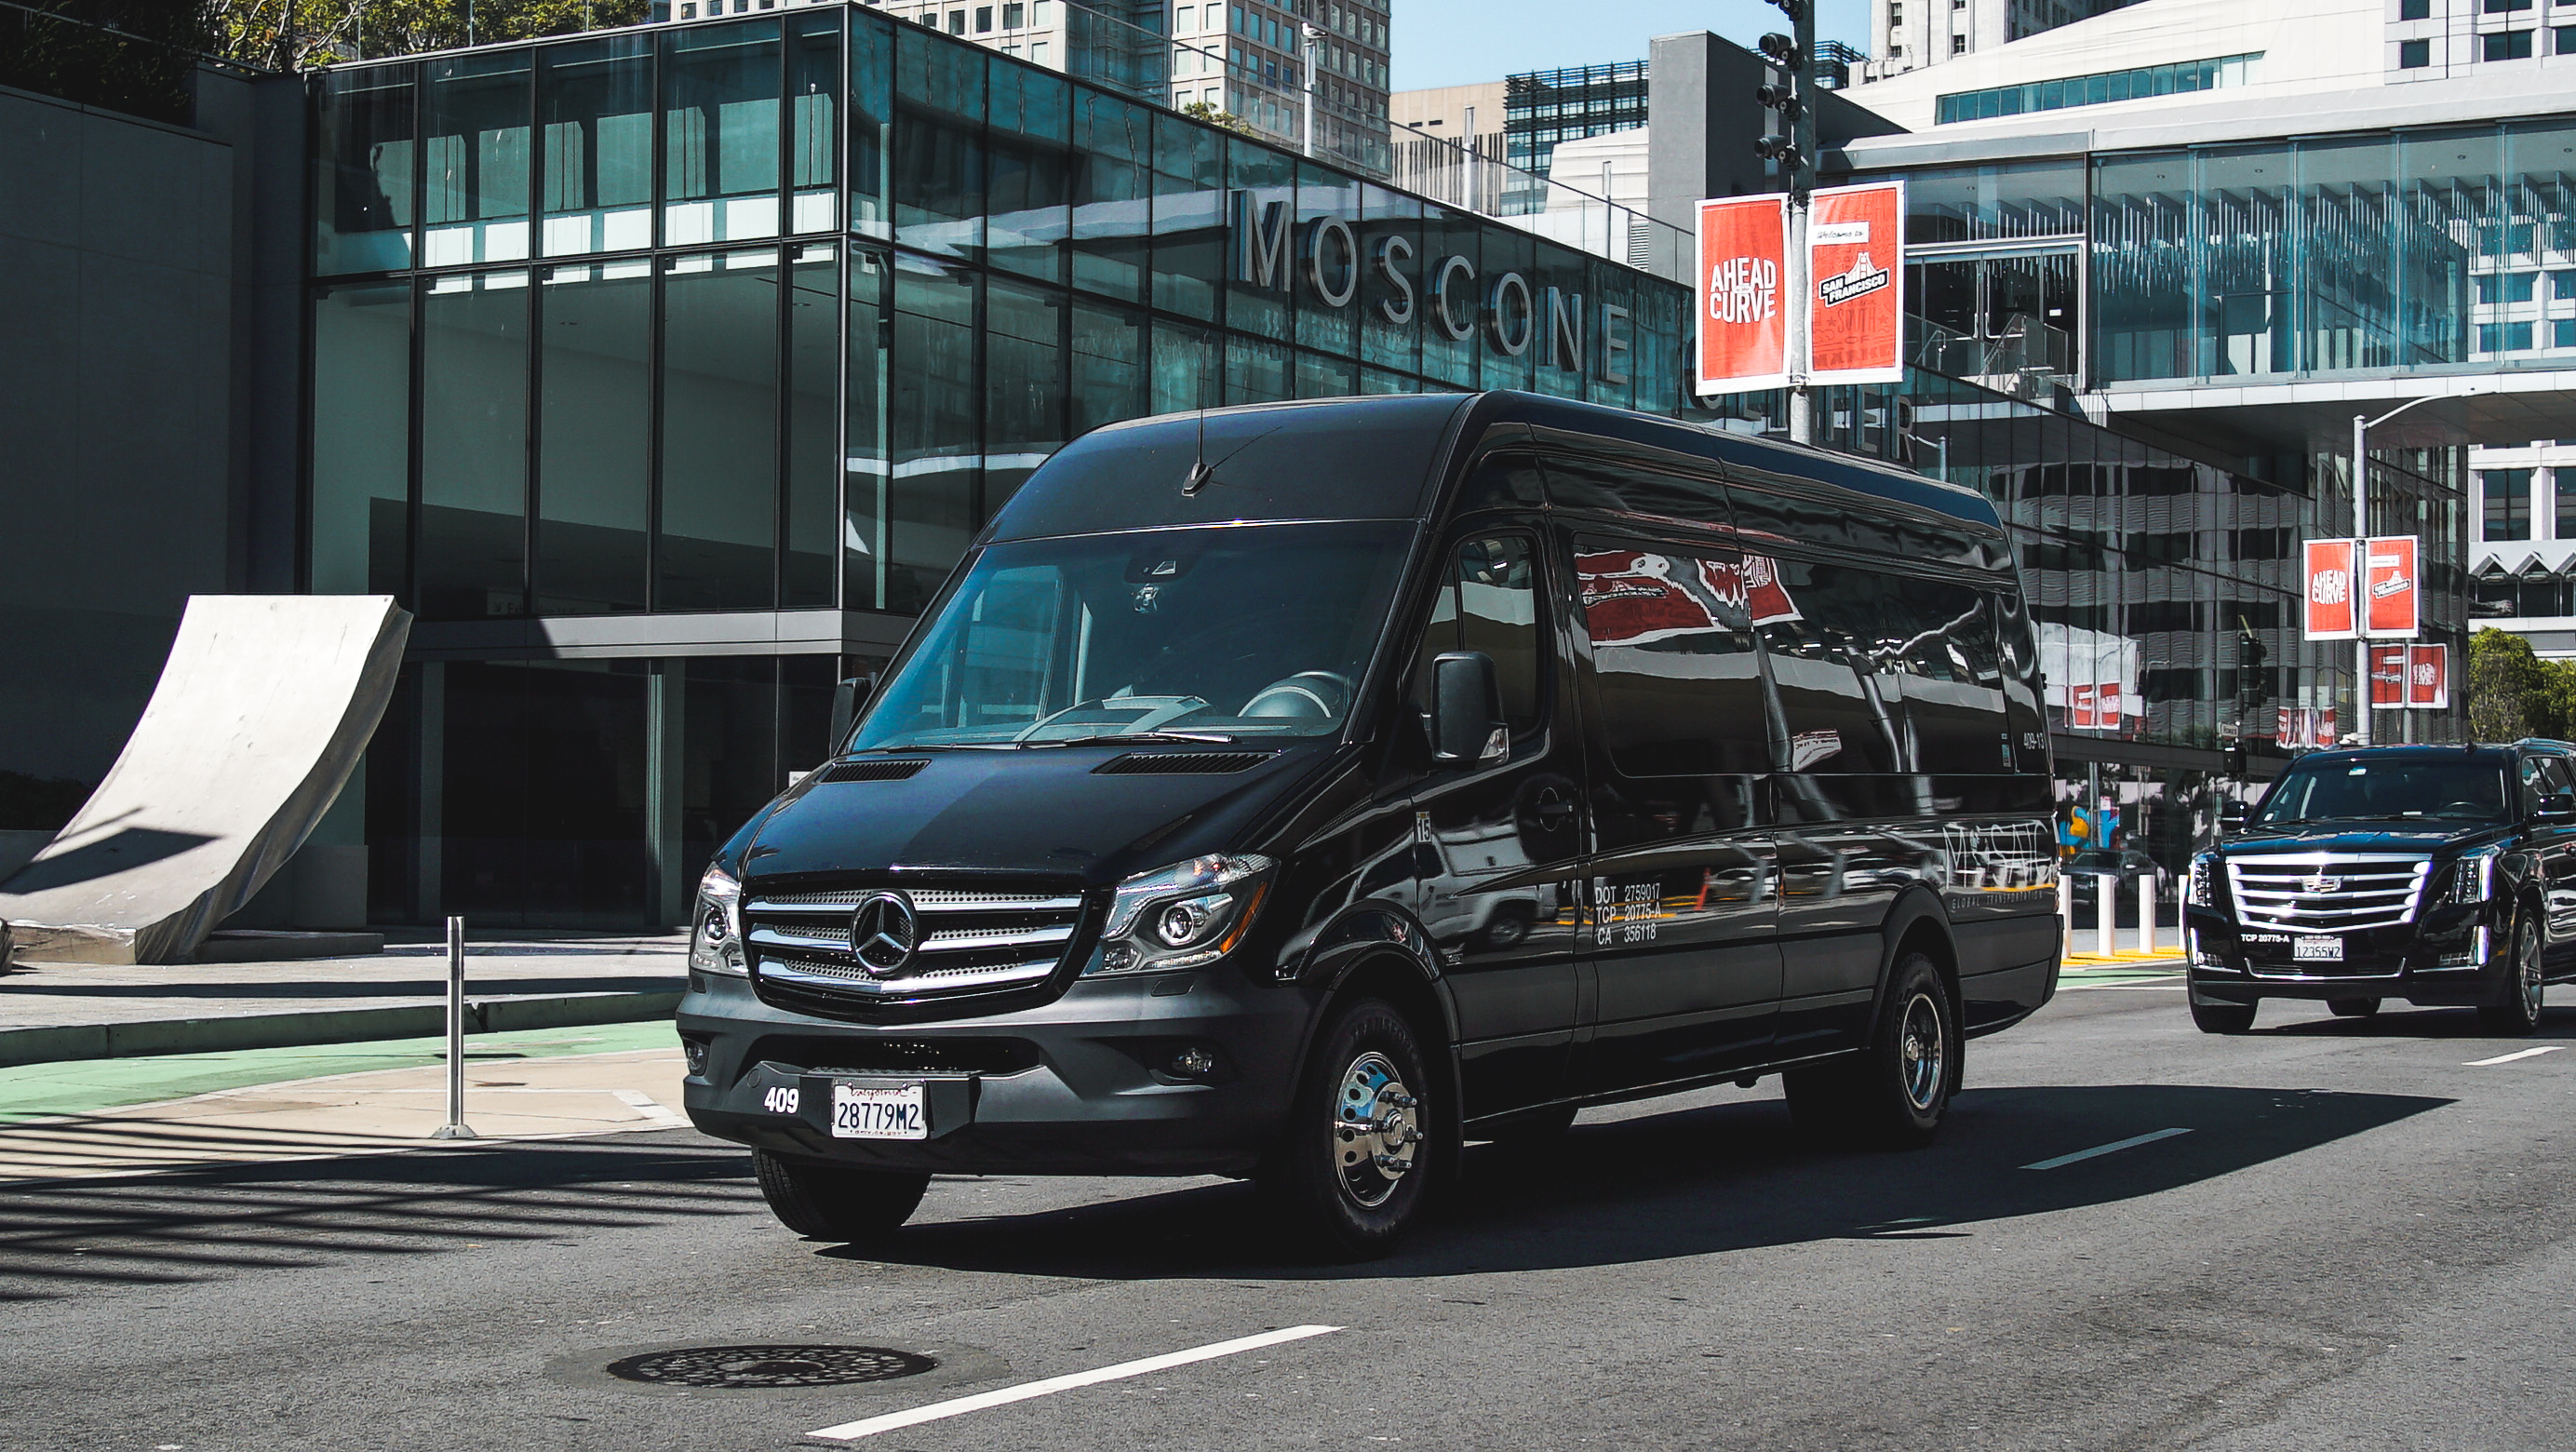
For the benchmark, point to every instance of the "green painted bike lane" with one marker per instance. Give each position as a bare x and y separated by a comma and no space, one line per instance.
85,1086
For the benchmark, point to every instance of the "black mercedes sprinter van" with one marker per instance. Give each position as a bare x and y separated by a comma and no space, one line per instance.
1300,791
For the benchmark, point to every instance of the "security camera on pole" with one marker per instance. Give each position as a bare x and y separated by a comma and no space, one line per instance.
1793,146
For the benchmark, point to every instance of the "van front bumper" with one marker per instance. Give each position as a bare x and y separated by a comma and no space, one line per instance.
1107,1079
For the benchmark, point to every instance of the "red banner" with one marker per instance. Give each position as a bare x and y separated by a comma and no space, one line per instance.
2331,614
1743,307
2390,587
2428,677
1856,300
2388,676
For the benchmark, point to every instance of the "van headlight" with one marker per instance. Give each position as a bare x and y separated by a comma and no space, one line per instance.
2473,876
2204,880
1182,916
715,931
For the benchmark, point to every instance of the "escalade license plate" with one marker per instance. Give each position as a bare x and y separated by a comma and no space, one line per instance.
2317,950
860,1112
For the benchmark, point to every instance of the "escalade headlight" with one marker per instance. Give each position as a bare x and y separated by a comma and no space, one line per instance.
2473,876
2204,883
1182,916
715,931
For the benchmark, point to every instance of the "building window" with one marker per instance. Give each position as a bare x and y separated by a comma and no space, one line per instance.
2505,45
1014,16
2414,9
2562,333
2504,337
2101,88
2506,7
983,19
2507,502
2563,40
2506,287
2564,481
2414,55
1895,15
1958,45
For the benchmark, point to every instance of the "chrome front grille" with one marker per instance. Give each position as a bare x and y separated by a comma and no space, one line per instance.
973,937
2326,892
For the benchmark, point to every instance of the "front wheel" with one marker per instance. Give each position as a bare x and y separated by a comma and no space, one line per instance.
2222,1018
2352,1007
2512,1009
836,1202
1895,1091
1350,1173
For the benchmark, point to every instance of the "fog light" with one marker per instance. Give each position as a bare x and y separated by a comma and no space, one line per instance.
2457,960
1117,958
1193,1063
695,1052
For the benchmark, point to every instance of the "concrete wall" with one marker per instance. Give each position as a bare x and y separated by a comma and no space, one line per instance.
147,396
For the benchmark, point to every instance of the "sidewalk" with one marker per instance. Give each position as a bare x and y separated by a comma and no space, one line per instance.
52,1012
2081,956
539,1089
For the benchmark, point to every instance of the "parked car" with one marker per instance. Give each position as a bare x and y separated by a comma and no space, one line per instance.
2088,870
2435,874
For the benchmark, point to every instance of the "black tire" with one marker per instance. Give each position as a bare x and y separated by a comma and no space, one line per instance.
1894,1092
1530,1126
2222,1018
837,1202
2353,1007
1349,1194
2512,1009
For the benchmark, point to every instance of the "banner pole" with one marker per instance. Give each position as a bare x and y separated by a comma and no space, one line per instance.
2361,572
1802,402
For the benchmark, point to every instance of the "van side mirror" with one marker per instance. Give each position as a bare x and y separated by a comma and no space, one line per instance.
2231,817
848,699
1466,716
2557,807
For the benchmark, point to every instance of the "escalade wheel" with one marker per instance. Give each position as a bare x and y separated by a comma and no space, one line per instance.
2222,1018
1895,1091
2512,1009
836,1202
1351,1172
2352,1007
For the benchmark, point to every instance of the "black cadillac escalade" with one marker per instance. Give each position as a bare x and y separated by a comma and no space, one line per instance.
2442,875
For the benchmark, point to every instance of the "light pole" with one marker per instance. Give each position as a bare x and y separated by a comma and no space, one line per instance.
2361,427
1313,38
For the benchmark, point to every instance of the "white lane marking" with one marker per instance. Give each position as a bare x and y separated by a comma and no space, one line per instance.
2509,1058
959,1406
2114,1147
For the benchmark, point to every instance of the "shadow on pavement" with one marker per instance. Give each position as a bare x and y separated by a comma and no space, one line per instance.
2402,1020
1697,1181
58,1238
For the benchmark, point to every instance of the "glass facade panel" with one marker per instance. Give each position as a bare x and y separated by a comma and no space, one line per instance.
361,440
1189,217
1109,373
595,120
866,479
871,104
1030,155
473,446
1189,367
363,177
720,134
1390,233
1024,385
935,429
1111,187
715,545
594,436
1980,203
539,775
475,193
812,476
813,115
939,158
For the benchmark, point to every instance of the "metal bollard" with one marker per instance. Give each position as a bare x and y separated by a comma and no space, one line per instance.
2106,915
2066,909
455,1128
2147,913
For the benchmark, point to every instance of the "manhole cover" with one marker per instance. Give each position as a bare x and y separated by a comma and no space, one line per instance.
770,1366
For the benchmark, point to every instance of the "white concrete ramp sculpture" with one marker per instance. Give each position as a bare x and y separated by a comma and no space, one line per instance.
260,716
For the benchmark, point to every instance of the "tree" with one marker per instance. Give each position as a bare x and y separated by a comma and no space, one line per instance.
300,34
1217,116
2510,692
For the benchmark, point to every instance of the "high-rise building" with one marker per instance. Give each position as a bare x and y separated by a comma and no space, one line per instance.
1908,35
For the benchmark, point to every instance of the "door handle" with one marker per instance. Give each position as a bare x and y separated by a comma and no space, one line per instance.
1554,810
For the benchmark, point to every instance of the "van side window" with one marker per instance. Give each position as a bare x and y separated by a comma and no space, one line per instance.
1842,699
1943,636
1672,653
1489,602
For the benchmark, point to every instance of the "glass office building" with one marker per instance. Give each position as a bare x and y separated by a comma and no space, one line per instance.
665,373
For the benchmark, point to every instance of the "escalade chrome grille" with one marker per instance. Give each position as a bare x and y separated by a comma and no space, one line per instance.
973,937
2326,892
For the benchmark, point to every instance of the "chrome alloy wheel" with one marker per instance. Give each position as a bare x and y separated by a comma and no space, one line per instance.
1375,1129
1924,1047
2527,969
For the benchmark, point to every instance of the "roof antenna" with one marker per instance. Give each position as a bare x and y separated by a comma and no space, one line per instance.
1197,478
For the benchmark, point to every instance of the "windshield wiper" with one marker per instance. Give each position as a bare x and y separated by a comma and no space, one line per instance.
1214,737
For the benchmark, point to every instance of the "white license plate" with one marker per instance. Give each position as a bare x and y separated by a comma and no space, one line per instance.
859,1112
2317,950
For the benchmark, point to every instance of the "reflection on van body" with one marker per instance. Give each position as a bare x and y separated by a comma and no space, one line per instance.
1299,791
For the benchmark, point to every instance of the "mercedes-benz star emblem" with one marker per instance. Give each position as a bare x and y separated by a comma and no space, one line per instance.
884,933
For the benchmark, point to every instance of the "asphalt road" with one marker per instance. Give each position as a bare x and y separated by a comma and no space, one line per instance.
2362,1242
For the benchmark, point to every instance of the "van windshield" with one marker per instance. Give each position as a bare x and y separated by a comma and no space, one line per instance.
1219,633
2388,789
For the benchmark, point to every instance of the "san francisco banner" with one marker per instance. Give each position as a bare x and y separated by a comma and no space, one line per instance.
1856,260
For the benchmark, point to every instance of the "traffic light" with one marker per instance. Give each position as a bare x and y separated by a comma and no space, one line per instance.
2253,682
1789,139
1796,10
1781,52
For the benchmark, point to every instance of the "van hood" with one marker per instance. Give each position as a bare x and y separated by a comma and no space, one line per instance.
1049,810
2348,836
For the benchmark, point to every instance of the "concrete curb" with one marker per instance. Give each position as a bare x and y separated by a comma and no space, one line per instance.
61,1043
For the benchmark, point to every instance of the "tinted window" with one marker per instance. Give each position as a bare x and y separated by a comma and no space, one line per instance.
1359,460
1632,486
1824,626
1672,652
2386,789
1488,601
1941,638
